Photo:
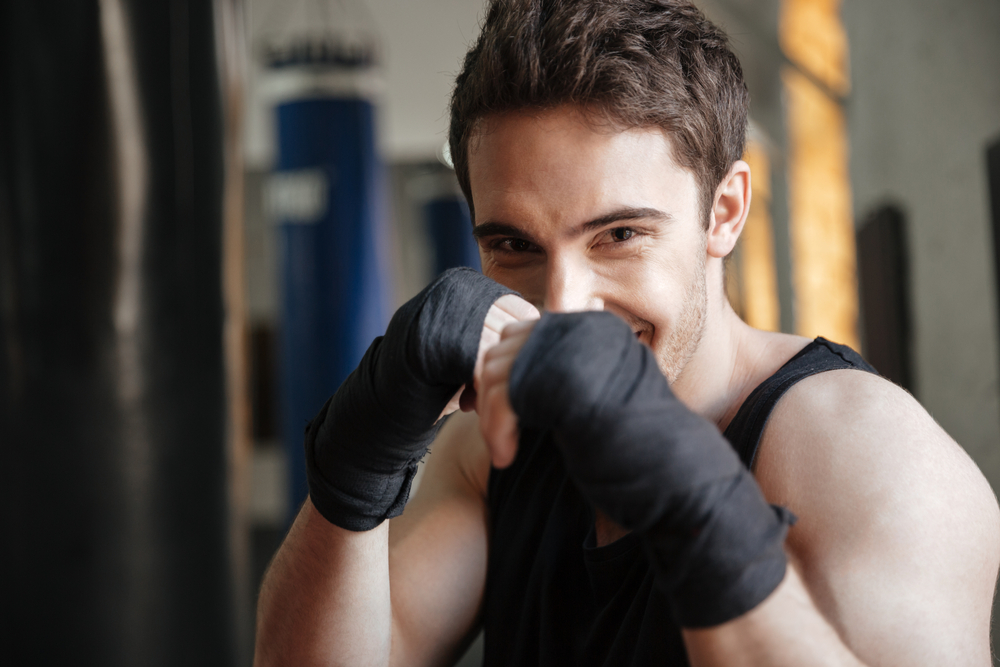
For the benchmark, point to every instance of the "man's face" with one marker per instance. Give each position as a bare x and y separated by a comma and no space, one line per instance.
578,217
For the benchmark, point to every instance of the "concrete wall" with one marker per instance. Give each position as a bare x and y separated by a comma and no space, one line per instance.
426,42
925,102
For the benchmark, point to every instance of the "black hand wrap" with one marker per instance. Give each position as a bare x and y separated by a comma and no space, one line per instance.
639,455
363,447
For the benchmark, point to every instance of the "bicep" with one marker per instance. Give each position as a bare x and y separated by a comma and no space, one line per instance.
897,539
437,551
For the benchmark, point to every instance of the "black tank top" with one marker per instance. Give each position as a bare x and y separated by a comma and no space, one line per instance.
553,597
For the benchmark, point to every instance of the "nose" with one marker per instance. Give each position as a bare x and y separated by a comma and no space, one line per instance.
570,286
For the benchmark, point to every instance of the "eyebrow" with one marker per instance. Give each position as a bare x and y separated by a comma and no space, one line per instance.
623,214
499,229
619,215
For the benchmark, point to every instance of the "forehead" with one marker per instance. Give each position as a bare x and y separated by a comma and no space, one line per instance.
564,165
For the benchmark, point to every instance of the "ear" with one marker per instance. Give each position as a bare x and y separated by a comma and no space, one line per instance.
729,210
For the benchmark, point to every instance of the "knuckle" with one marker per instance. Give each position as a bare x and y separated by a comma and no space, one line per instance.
495,368
494,352
495,394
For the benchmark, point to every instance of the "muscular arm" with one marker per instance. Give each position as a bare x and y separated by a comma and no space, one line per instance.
895,555
437,551
326,597
346,588
896,550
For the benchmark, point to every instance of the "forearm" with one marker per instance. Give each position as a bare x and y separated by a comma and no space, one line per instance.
785,629
325,597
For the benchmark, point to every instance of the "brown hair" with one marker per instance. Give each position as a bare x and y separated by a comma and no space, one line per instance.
639,63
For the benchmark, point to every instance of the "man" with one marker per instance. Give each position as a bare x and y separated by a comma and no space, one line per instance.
598,144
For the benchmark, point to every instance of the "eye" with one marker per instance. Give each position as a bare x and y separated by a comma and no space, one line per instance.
620,234
517,245
619,240
511,245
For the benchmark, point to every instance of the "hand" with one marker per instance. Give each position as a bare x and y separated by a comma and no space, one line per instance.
638,455
497,420
363,448
508,309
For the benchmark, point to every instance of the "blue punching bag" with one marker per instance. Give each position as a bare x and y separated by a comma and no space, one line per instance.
325,195
450,229
446,217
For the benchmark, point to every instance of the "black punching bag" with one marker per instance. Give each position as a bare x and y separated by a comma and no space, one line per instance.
112,380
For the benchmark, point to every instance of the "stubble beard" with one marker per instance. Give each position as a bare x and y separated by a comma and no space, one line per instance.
684,338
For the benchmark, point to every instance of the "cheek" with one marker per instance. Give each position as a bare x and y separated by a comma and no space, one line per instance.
528,281
651,287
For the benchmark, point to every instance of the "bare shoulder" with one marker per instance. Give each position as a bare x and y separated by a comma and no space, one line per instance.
898,536
850,428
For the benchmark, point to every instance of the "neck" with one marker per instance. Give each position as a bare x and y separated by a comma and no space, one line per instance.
706,383
731,359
